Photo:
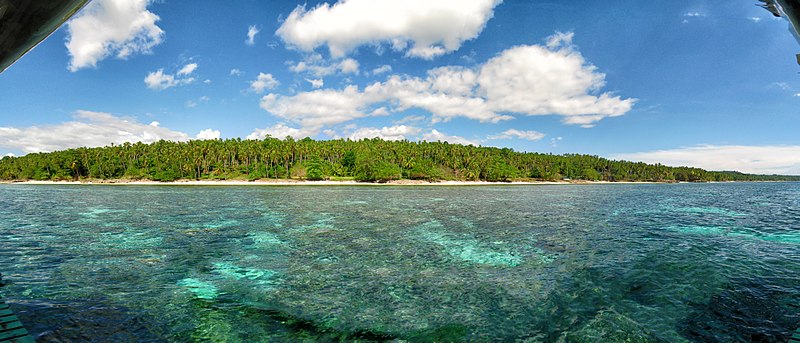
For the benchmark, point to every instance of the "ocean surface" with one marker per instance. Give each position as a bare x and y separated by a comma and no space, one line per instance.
571,263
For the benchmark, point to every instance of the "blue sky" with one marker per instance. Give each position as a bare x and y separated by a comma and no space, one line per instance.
704,83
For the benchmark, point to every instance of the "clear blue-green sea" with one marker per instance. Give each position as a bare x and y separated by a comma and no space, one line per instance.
561,263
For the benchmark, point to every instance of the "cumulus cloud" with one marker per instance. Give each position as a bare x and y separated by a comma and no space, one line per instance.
89,129
158,80
187,69
263,82
320,107
382,69
252,31
555,79
778,159
421,28
208,134
111,27
514,133
389,133
235,72
436,136
280,131
315,65
526,80
316,83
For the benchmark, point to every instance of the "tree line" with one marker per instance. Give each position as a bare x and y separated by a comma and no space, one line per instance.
370,160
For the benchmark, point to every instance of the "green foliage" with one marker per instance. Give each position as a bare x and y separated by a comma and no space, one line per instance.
365,160
349,160
590,174
425,170
314,169
370,167
501,171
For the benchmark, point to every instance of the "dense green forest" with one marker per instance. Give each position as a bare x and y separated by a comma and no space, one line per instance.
365,160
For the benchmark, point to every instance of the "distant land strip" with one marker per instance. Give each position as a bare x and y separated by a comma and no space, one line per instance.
368,160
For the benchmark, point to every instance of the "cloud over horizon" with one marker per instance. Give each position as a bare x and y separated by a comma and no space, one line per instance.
766,159
530,80
88,129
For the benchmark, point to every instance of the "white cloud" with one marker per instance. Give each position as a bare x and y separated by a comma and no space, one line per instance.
778,159
514,133
236,72
111,27
755,19
537,80
349,66
390,133
192,103
89,129
422,28
280,131
527,80
263,82
694,14
158,80
554,141
409,119
435,136
782,85
208,134
207,81
382,69
315,65
316,83
252,31
10,155
319,108
187,69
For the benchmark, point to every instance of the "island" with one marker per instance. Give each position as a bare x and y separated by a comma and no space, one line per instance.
339,160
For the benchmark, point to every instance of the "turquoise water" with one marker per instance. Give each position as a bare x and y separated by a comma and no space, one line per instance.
571,263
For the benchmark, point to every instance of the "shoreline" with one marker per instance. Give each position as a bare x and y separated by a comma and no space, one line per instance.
315,183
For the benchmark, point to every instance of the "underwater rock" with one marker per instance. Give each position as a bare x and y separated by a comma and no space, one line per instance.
262,239
129,239
610,326
80,321
472,251
231,271
745,233
746,311
711,210
201,289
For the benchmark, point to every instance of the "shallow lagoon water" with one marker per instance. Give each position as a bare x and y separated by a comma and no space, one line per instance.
572,263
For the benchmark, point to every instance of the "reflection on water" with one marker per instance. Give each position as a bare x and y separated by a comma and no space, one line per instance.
639,263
